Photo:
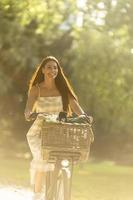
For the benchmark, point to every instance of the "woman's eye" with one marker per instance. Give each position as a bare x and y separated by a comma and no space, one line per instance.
50,67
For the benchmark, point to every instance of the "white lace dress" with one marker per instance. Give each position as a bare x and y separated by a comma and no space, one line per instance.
51,105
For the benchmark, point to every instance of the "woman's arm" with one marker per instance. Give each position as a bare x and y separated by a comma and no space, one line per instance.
32,97
77,108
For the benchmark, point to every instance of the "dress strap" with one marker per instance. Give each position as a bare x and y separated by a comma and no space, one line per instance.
38,90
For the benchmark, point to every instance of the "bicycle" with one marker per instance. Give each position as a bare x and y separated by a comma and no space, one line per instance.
64,143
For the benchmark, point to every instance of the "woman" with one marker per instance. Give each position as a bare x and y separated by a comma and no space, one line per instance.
50,92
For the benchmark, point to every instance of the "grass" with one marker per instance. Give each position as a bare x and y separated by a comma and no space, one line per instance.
14,171
92,181
103,181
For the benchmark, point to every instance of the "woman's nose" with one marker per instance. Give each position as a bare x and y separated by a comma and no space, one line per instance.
53,69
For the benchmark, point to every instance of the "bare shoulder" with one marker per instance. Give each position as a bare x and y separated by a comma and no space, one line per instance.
34,91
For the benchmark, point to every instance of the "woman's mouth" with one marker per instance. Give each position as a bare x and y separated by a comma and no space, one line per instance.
52,75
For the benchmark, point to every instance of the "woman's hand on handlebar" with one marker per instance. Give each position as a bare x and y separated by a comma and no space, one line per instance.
28,115
89,119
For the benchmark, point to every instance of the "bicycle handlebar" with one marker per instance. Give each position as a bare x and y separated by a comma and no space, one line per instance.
63,117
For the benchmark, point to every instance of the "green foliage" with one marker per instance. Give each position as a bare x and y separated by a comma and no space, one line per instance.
97,57
103,67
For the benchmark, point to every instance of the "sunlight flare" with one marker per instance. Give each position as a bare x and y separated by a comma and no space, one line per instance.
12,193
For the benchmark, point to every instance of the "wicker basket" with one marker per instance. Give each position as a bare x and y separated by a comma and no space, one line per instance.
66,140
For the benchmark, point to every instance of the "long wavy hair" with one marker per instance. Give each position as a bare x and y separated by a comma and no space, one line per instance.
61,82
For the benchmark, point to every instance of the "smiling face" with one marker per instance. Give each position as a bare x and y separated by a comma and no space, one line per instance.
50,70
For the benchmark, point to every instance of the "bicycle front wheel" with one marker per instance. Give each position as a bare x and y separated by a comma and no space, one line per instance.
63,187
58,184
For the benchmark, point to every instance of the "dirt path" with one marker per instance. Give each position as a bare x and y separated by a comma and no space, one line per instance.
15,193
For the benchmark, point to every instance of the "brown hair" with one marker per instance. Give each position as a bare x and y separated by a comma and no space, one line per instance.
61,82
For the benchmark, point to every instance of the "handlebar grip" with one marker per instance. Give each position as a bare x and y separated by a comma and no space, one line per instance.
32,116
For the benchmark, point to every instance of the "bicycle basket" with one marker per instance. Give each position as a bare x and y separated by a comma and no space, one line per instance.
66,137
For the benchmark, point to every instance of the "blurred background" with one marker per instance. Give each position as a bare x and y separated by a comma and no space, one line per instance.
93,40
